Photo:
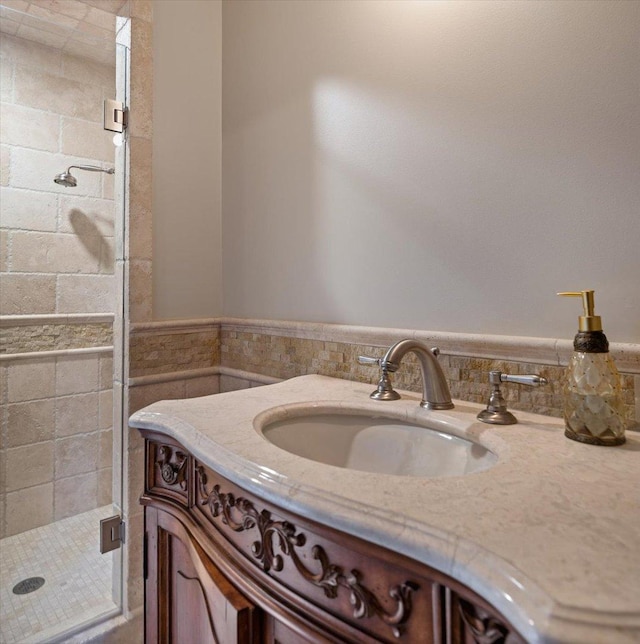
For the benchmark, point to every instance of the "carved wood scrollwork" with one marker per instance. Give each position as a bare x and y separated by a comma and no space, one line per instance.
485,628
173,473
280,538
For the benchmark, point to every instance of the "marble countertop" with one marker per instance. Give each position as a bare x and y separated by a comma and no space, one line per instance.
550,535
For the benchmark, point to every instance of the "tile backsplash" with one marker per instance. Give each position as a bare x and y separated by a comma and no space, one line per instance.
248,352
468,376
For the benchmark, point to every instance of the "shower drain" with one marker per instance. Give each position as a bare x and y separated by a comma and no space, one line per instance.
28,585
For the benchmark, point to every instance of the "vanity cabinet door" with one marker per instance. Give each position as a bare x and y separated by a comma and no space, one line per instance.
188,600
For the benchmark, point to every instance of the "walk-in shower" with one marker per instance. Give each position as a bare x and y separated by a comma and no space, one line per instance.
67,180
60,447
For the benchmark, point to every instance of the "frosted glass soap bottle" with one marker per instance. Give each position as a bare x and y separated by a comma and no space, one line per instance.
593,407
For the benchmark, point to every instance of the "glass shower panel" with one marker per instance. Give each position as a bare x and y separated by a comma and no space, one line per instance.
57,304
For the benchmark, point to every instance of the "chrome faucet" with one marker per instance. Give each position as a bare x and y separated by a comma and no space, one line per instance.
435,390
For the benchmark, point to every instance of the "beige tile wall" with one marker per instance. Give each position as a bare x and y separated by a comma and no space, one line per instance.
57,258
57,436
58,242
47,293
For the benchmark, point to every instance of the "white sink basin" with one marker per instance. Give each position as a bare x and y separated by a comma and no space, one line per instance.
378,444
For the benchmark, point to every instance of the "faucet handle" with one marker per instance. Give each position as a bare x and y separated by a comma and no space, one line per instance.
496,412
385,390
369,360
533,380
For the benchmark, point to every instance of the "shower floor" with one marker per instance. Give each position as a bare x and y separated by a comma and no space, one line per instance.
77,578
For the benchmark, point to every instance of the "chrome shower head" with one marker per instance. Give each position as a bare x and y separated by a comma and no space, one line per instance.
67,180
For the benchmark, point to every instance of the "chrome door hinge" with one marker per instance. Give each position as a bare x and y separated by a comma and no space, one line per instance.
116,116
111,533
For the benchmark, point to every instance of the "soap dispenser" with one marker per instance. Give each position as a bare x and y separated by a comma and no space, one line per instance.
593,409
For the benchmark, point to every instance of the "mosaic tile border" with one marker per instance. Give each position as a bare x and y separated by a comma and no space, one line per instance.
267,350
54,337
27,334
160,348
285,357
550,351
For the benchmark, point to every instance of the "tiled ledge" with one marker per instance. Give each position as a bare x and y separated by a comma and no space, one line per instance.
55,318
174,326
43,355
172,376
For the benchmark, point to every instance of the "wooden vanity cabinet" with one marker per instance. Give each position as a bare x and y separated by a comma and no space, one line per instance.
193,601
224,566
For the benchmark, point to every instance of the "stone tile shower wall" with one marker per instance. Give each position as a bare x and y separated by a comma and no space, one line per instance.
57,438
56,287
58,243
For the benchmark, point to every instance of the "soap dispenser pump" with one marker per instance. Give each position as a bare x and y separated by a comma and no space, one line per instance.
593,408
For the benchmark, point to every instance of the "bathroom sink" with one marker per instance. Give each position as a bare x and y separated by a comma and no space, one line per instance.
378,444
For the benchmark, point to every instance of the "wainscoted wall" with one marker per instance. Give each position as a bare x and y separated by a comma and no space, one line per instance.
245,353
56,430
